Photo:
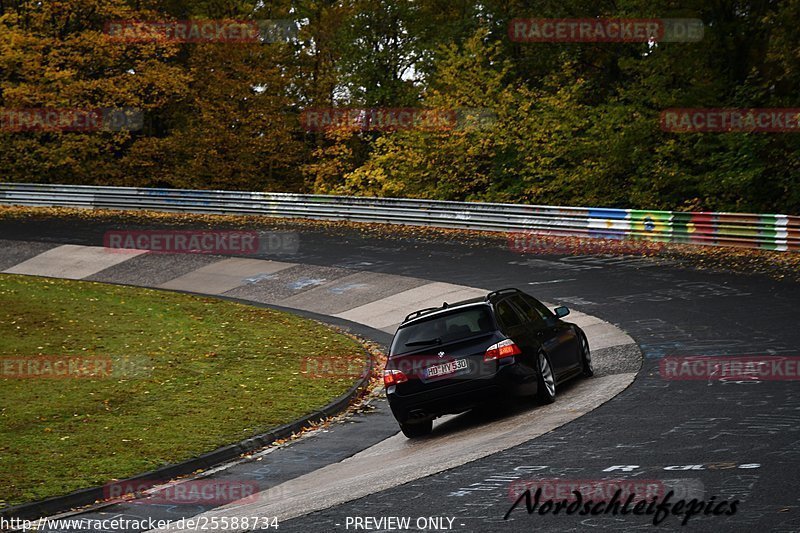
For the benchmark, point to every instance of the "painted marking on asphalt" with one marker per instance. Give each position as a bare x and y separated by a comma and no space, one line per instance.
551,281
302,283
348,287
552,265
604,260
575,300
259,277
687,290
353,290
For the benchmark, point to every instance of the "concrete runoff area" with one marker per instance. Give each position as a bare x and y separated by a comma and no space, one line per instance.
15,252
351,291
153,270
223,276
285,283
603,335
582,320
72,261
393,309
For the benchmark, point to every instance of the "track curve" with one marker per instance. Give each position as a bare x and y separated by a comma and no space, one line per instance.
729,440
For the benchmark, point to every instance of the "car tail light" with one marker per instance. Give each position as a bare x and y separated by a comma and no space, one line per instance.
393,377
502,349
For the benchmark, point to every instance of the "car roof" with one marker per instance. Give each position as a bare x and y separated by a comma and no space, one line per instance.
435,311
491,298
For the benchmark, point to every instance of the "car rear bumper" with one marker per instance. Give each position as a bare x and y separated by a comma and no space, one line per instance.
513,379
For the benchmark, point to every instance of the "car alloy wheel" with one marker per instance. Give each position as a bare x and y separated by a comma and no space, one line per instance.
547,381
586,357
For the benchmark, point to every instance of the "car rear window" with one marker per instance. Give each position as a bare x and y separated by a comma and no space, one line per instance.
442,329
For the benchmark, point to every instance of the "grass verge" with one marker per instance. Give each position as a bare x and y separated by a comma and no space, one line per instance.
186,375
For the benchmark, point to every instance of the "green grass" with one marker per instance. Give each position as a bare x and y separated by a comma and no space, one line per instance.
201,373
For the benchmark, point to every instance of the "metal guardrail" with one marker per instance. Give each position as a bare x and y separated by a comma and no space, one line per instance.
771,232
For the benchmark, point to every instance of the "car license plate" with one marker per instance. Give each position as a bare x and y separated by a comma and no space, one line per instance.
445,368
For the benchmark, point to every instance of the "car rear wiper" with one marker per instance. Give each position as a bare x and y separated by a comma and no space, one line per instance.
425,342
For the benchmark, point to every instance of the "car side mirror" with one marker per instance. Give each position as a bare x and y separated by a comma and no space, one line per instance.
561,311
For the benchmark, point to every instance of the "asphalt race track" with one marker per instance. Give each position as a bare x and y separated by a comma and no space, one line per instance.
721,439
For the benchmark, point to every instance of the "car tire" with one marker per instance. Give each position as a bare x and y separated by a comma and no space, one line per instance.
586,356
414,430
546,386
